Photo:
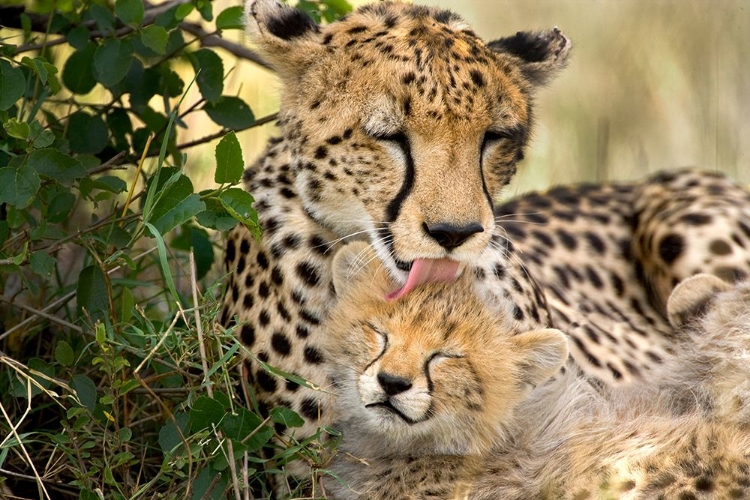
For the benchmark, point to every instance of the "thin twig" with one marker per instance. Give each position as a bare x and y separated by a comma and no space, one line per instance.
44,315
224,131
211,40
199,326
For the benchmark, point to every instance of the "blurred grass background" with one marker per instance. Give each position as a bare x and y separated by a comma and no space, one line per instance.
652,85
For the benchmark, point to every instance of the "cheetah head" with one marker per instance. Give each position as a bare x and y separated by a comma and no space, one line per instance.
433,373
404,125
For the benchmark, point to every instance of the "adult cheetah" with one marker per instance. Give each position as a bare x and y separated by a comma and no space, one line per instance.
400,127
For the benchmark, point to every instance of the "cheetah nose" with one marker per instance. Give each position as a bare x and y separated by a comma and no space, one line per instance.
449,236
393,384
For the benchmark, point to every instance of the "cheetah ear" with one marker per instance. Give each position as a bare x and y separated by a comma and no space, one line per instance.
288,38
692,297
541,54
356,267
541,352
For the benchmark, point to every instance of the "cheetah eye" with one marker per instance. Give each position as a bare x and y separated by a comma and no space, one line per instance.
395,137
442,356
493,136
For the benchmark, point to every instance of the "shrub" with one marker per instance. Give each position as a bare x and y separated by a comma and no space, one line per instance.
116,380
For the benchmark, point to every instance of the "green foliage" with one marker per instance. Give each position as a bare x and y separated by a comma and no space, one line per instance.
107,364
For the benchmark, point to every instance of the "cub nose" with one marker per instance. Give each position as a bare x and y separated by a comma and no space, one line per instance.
393,384
449,236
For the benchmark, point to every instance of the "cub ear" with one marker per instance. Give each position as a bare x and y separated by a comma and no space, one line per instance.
542,353
357,267
540,54
288,38
692,297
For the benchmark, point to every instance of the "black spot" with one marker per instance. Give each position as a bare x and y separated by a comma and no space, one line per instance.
544,239
671,247
617,284
287,193
302,332
291,241
276,276
313,356
240,265
408,78
263,290
310,408
595,242
249,281
477,78
263,318
309,317
518,313
291,386
308,273
247,334
348,133
515,231
720,247
356,29
615,372
291,23
566,239
334,140
594,278
499,271
280,344
283,312
262,260
696,219
265,381
536,218
590,333
321,152
444,16
247,301
244,247
231,251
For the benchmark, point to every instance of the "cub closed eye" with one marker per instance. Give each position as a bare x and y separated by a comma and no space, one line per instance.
397,137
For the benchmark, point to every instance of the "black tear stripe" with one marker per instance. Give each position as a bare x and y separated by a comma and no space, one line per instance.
291,23
394,206
484,182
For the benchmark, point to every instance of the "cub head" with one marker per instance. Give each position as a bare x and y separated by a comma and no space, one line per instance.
435,372
403,124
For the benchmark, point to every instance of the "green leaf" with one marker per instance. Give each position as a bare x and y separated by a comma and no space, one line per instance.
229,162
18,186
42,263
12,85
183,11
287,417
130,11
85,390
239,204
204,413
119,124
176,205
230,112
41,138
215,216
53,164
155,38
79,37
231,19
169,436
112,61
103,17
87,133
125,434
209,71
60,207
19,130
92,293
78,74
240,425
127,302
64,353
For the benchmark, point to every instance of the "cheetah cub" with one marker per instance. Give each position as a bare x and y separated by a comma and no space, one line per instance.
439,399
425,383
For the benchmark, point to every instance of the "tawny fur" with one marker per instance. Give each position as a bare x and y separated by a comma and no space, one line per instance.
564,439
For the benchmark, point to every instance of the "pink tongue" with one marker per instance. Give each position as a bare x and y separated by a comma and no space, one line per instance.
426,271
